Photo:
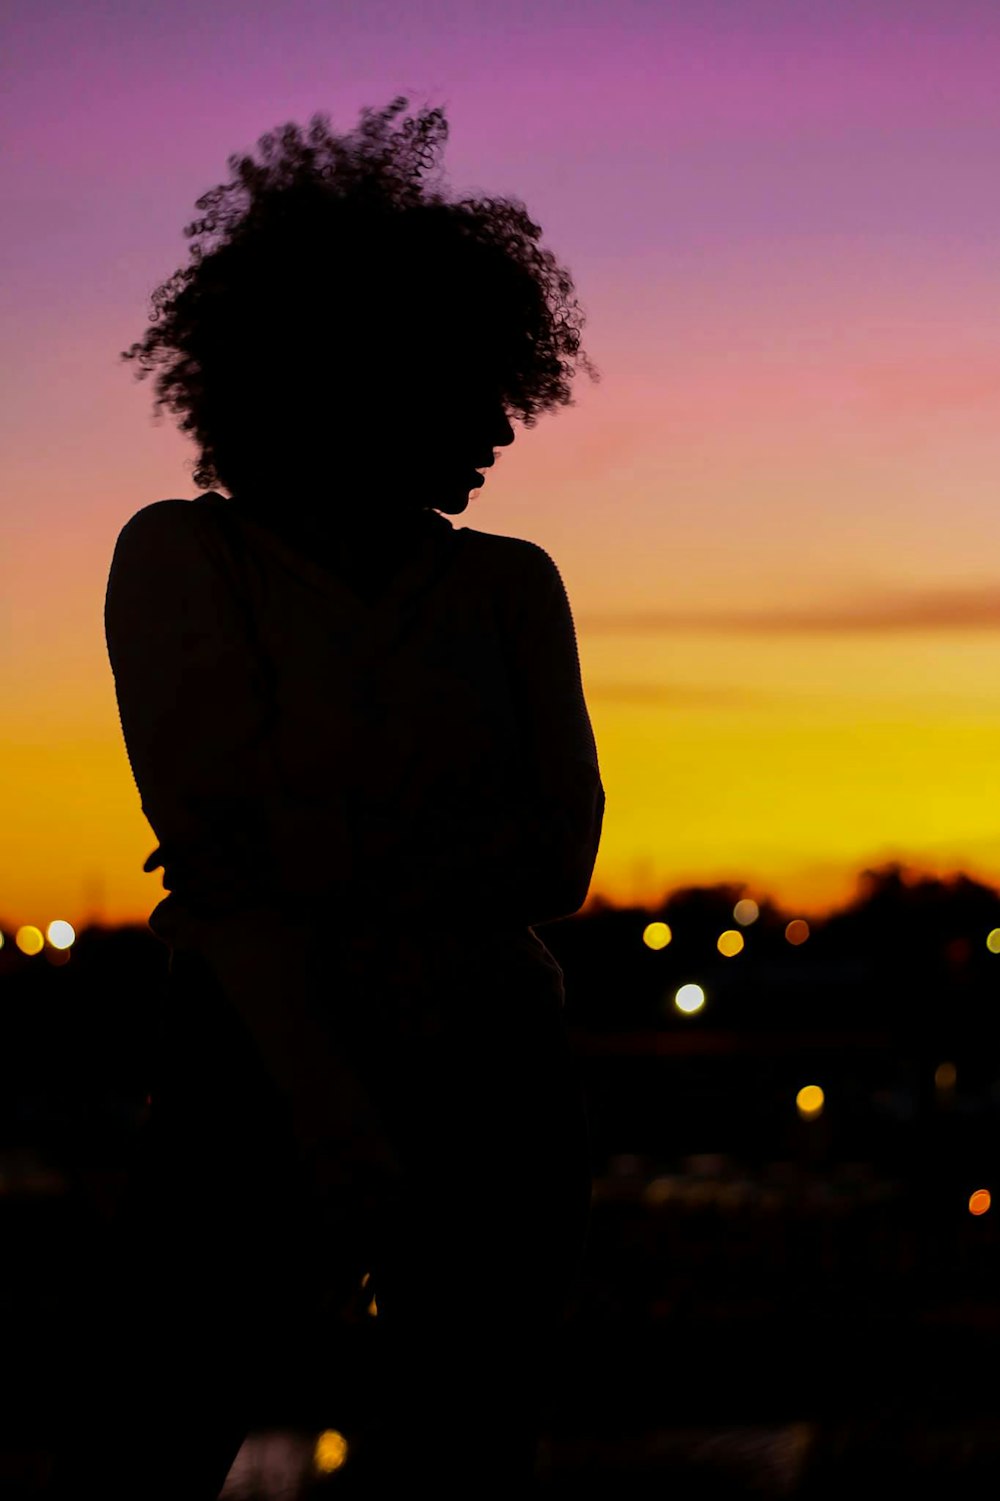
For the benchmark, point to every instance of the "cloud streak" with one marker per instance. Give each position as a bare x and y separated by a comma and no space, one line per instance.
923,610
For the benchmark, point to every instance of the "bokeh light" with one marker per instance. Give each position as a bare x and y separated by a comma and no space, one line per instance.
797,930
746,911
810,1101
980,1201
330,1452
945,1075
29,939
60,934
656,935
993,941
730,942
689,998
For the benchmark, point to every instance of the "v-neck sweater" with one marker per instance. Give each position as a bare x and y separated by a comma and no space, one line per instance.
317,765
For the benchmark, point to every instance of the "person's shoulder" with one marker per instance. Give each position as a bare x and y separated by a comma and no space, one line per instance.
162,526
517,556
156,519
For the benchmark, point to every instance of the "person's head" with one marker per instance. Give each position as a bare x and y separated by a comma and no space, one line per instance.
349,330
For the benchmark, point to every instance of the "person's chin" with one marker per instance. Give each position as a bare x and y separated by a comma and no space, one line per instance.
454,505
451,498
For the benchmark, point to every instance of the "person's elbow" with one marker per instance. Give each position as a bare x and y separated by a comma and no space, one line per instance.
569,877
565,891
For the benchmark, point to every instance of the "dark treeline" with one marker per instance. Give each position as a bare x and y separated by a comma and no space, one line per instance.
881,993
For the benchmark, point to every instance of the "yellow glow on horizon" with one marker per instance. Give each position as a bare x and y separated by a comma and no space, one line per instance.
723,788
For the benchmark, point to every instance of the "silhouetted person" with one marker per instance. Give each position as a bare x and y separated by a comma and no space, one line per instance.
360,736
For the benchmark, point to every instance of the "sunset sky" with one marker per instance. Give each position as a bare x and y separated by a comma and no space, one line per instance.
777,515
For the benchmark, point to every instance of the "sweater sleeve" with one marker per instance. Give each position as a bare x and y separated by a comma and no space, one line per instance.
530,861
565,798
197,724
235,847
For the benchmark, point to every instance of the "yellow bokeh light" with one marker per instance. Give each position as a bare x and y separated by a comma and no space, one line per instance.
730,942
1,940
993,941
373,1308
656,935
29,940
810,1101
945,1075
746,911
689,998
980,1201
330,1452
60,934
797,930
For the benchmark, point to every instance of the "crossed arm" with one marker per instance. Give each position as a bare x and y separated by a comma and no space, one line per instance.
197,728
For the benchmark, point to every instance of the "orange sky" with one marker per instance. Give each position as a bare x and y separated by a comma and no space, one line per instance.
776,515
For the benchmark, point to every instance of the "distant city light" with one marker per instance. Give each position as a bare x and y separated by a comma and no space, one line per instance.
60,934
945,1075
797,931
29,940
689,998
656,935
810,1101
993,941
730,942
746,911
330,1452
980,1201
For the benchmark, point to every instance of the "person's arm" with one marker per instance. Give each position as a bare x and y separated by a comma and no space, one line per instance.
529,860
237,845
197,724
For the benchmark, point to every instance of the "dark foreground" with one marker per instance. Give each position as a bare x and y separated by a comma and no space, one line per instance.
734,1334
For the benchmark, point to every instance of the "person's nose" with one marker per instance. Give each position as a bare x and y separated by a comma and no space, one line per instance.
504,433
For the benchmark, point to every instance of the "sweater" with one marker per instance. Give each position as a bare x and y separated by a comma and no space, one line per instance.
326,772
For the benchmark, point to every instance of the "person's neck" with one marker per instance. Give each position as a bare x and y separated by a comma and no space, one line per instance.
333,527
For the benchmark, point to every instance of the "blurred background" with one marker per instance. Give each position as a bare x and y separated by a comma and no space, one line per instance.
776,519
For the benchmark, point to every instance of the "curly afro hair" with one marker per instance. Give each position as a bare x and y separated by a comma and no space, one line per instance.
344,300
